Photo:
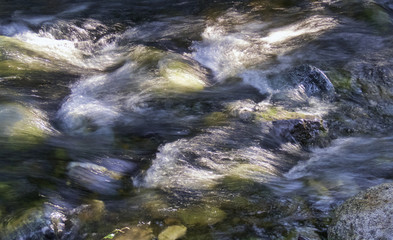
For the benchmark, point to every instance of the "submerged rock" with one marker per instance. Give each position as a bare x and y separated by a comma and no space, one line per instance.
368,215
48,222
173,232
102,177
134,232
182,75
21,125
171,72
201,216
25,57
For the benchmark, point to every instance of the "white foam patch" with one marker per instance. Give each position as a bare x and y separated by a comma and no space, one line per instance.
59,49
76,49
95,102
79,113
201,162
230,52
341,170
258,80
170,170
224,54
311,26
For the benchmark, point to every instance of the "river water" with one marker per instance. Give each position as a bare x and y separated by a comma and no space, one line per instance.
141,119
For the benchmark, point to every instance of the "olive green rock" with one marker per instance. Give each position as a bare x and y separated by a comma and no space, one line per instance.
128,233
201,215
181,75
20,124
173,232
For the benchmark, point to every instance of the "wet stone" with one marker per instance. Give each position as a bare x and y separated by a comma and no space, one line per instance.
22,125
133,232
103,177
48,222
173,232
313,80
305,132
368,215
374,81
200,216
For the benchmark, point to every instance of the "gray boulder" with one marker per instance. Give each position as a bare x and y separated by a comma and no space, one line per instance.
368,215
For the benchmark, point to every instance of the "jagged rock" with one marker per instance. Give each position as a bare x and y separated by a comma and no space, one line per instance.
314,82
368,215
305,132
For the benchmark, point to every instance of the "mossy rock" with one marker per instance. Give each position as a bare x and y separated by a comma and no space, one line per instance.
237,184
22,125
20,58
377,16
318,187
248,171
152,203
341,80
12,46
92,212
274,113
170,72
146,57
181,75
215,119
173,232
201,215
33,223
133,232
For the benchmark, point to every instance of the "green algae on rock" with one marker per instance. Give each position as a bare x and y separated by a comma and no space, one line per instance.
21,125
181,75
173,232
201,215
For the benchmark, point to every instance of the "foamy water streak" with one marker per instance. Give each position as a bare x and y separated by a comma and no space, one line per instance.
340,171
203,161
230,52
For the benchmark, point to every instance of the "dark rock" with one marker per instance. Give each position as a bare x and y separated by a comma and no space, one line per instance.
305,132
313,80
368,215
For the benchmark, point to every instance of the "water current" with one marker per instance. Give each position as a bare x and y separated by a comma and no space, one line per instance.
185,119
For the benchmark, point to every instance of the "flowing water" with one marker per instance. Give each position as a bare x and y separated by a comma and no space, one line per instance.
140,119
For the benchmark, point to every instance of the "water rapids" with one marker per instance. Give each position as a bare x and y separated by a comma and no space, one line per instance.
190,119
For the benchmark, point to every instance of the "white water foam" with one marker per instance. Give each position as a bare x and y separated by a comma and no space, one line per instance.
250,45
201,162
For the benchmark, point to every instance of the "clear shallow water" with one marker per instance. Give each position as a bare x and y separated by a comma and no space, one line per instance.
142,115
